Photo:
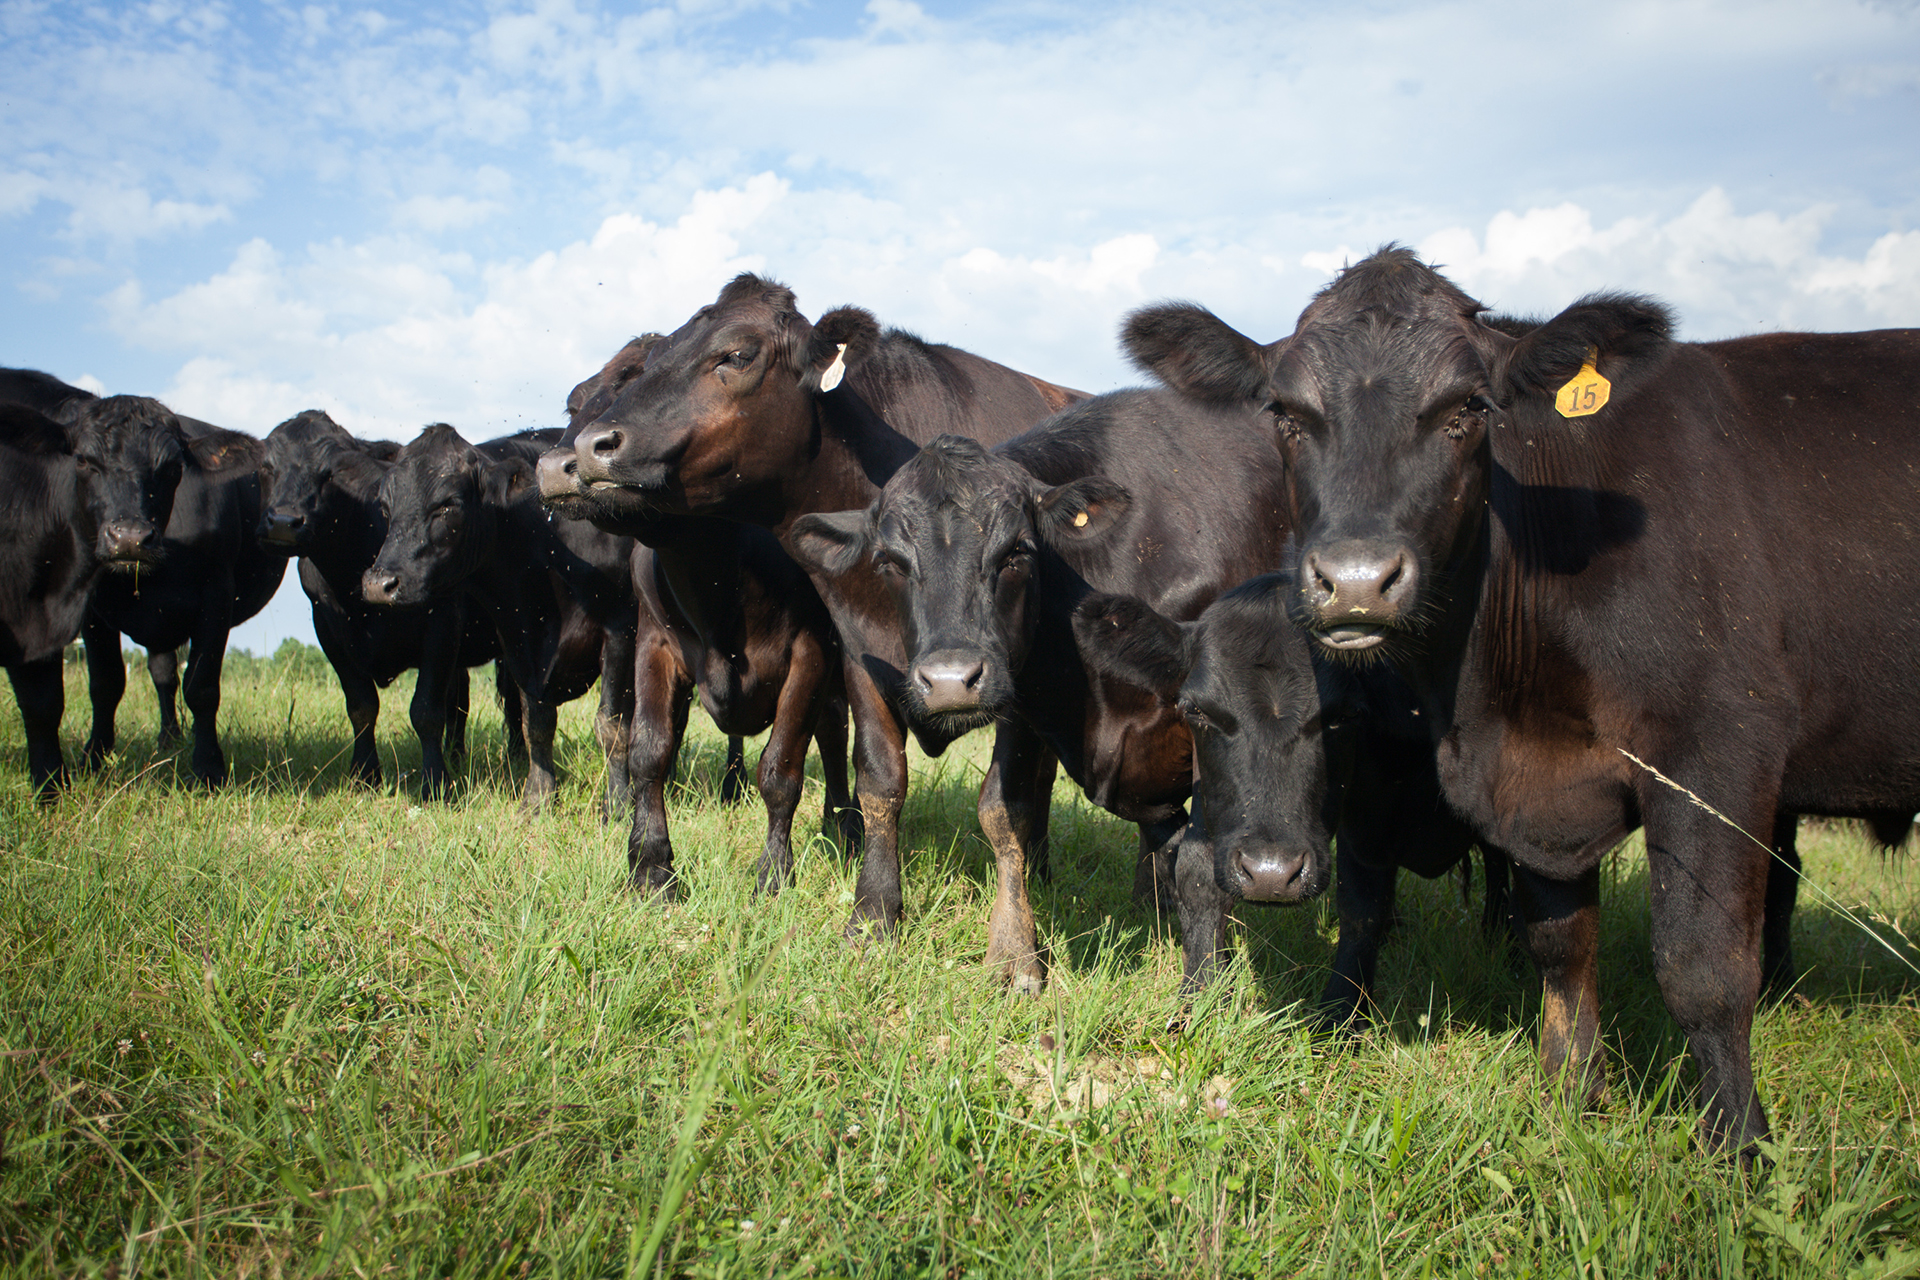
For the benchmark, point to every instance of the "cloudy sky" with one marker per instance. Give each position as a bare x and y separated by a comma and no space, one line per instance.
453,212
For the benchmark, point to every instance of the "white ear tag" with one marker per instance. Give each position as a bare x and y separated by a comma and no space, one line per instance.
835,371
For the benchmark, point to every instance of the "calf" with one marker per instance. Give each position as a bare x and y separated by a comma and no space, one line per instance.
984,556
320,502
1627,578
723,609
1285,752
468,521
751,413
196,577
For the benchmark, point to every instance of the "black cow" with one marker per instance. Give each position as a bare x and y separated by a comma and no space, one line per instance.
49,556
750,413
44,393
321,502
723,609
200,574
1597,553
468,521
1286,751
984,556
206,547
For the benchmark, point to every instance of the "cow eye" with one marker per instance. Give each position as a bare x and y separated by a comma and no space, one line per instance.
886,562
739,359
1017,558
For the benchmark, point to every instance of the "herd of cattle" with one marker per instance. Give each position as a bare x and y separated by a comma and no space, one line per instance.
1411,580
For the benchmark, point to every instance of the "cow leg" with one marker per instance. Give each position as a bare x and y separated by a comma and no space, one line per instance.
733,777
509,694
541,718
1710,892
1562,923
1783,890
163,668
1204,910
1040,845
202,692
880,779
1009,807
1153,870
841,816
41,696
1364,889
106,684
459,691
613,722
661,696
783,761
1496,913
439,655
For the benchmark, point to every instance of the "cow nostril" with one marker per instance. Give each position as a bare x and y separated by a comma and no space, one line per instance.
608,442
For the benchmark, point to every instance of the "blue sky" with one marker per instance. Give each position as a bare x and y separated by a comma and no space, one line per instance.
455,211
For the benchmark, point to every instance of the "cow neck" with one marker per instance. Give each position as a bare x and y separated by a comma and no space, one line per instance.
852,453
1546,521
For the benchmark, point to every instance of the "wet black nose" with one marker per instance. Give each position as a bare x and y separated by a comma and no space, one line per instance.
377,587
1266,873
282,526
1360,582
123,538
949,681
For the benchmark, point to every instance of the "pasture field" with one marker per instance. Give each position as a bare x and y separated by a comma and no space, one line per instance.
296,1028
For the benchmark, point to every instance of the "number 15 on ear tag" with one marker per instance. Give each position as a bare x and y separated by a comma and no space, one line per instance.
1586,392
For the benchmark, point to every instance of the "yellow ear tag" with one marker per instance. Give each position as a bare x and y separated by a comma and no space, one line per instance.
1586,392
1080,520
835,371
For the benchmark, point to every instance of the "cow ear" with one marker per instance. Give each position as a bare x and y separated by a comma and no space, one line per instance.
1083,508
840,340
1623,333
506,482
221,450
1196,353
1123,638
829,542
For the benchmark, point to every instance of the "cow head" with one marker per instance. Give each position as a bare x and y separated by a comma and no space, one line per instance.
962,539
129,455
557,472
1381,401
311,463
725,406
1271,742
440,499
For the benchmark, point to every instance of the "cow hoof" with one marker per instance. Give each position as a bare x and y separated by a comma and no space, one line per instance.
862,927
1029,983
655,881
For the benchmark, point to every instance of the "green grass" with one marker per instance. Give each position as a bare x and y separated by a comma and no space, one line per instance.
297,1028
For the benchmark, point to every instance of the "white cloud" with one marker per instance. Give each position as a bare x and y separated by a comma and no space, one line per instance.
1724,271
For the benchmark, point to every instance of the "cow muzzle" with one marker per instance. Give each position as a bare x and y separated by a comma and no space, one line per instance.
950,680
380,586
128,542
1357,591
1258,871
283,529
558,472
